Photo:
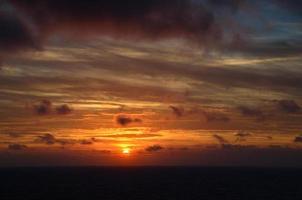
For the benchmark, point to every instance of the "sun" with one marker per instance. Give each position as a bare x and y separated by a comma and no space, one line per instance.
126,151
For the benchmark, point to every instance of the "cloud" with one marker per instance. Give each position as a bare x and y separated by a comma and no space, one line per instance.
123,18
292,5
104,151
220,139
269,137
268,79
16,147
50,139
47,139
192,20
129,135
209,116
16,33
239,147
178,149
125,120
242,134
211,24
154,148
285,106
86,142
288,106
63,109
216,117
177,111
12,134
43,108
298,138
251,112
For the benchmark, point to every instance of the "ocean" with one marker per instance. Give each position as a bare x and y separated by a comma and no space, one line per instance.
140,183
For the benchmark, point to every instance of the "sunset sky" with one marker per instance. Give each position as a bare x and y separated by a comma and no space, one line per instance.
151,82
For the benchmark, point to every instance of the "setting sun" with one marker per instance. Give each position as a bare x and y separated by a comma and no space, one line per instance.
126,151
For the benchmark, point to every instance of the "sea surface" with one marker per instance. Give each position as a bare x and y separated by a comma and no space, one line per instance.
139,183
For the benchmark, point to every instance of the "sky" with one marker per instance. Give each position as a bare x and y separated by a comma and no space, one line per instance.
153,82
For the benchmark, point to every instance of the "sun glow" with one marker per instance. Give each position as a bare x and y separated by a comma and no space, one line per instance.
126,151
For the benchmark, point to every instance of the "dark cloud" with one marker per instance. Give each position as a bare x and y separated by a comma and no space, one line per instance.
50,139
43,108
125,19
63,109
238,147
154,148
17,147
248,78
104,151
233,4
12,134
178,149
269,137
251,112
292,5
47,139
242,135
264,112
276,146
216,117
142,135
177,111
288,106
86,142
125,120
220,139
206,23
15,32
210,116
298,138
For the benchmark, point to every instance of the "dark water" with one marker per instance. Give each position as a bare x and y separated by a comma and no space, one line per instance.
150,183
